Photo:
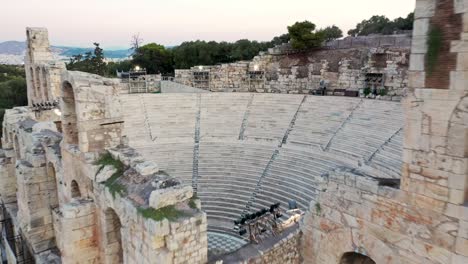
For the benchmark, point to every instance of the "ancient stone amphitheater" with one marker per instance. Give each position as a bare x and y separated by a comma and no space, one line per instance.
243,152
247,170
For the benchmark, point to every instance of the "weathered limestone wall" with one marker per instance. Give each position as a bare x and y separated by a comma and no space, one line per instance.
43,73
286,251
424,219
64,205
347,68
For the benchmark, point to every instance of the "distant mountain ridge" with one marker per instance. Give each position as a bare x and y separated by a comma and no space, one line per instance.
19,48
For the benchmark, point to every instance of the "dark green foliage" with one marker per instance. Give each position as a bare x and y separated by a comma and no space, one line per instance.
111,183
13,91
194,53
91,62
192,204
331,33
113,67
382,25
303,36
383,92
318,208
434,45
285,38
154,58
367,91
169,212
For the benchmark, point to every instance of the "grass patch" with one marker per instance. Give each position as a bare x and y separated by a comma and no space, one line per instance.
111,183
434,45
192,204
169,212
318,209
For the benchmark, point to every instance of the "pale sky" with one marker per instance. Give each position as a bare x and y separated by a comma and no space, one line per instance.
170,22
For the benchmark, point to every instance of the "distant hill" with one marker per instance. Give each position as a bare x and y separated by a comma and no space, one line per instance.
71,51
12,52
12,47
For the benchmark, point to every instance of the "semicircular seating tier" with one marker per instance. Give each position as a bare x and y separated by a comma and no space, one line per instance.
242,152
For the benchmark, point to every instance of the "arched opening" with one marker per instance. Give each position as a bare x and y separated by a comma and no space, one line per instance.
113,237
52,179
38,82
355,258
44,85
17,148
75,189
33,84
69,124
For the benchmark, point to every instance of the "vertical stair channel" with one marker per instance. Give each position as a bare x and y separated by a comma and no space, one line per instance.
245,119
273,158
350,116
196,146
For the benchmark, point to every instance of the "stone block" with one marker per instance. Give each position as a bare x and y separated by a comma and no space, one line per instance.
424,8
417,62
105,173
421,27
146,168
170,196
461,246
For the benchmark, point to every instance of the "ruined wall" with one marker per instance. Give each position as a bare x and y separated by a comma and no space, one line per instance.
424,218
344,68
286,251
69,209
43,72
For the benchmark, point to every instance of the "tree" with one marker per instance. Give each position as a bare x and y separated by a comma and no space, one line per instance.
382,25
113,67
285,38
303,36
136,42
91,62
13,91
331,33
154,58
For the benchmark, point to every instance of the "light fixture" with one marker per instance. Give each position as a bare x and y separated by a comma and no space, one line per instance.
57,112
255,67
137,68
200,67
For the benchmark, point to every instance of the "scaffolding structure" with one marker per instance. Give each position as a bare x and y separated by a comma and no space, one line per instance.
375,82
201,79
138,81
11,241
256,80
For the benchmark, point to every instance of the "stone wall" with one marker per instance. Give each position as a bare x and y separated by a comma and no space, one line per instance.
43,73
286,251
346,68
69,209
423,218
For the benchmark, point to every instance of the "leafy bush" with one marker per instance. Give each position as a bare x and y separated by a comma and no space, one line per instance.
111,183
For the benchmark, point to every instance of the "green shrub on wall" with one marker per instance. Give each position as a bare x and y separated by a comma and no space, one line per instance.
434,45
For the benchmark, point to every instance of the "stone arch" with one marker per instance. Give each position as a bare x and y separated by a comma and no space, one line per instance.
52,179
37,80
355,258
333,245
75,189
69,117
112,237
457,146
17,148
33,84
45,84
